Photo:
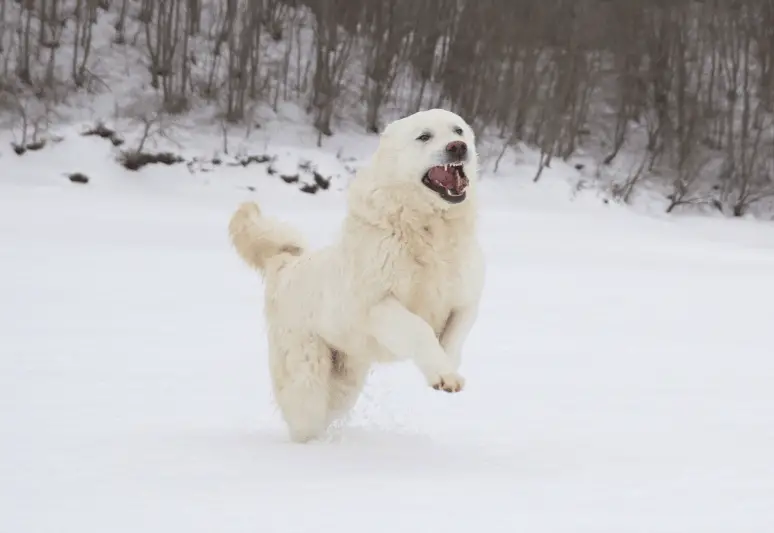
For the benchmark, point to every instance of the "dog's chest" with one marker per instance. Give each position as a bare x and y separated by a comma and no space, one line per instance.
426,278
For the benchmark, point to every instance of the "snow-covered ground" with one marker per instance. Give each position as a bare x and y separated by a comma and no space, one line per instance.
619,379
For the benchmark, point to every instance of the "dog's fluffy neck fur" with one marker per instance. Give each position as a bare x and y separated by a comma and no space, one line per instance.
396,208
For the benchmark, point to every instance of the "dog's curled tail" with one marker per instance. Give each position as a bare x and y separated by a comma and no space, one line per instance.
258,239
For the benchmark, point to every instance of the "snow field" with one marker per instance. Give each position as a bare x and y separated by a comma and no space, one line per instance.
619,378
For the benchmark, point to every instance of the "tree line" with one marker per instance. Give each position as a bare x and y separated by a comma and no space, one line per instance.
688,85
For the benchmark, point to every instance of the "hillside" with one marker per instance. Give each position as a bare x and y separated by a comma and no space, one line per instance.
620,112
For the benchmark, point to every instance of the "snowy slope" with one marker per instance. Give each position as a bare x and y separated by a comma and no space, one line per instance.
619,378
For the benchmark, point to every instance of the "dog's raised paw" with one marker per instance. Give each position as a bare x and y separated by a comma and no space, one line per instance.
451,382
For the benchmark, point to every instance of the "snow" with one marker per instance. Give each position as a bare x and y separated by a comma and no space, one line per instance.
619,377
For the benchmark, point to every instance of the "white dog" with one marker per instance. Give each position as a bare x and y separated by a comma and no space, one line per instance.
402,282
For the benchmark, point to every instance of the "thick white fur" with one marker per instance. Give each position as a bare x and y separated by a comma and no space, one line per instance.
402,281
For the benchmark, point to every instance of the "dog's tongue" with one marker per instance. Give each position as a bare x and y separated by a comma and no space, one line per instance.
444,178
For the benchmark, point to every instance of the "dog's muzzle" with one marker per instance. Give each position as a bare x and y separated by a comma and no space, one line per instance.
448,181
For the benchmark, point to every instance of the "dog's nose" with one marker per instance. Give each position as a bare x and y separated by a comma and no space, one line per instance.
457,148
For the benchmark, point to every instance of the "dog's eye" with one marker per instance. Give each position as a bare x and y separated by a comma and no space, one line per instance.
424,137
458,131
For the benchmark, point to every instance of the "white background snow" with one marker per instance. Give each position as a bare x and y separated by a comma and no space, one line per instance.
619,378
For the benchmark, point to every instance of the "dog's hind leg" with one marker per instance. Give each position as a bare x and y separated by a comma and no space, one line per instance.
301,372
348,376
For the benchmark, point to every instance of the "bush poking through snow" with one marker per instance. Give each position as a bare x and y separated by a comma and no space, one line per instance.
136,160
251,159
102,131
37,145
321,181
78,177
20,149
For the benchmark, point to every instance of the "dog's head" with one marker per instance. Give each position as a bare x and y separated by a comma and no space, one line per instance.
433,152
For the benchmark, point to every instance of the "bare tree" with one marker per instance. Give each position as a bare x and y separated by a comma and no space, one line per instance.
388,32
333,45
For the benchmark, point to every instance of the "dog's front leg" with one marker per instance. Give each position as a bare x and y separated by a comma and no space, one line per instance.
406,335
455,332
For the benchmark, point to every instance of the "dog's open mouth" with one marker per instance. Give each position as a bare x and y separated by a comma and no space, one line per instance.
449,181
